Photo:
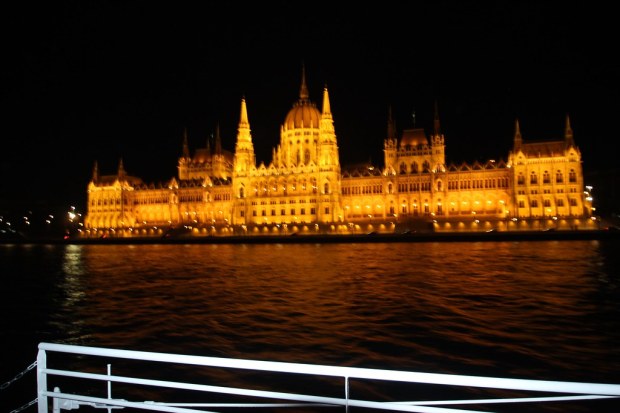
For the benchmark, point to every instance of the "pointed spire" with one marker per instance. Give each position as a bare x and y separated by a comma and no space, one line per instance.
243,120
303,90
436,124
121,169
185,144
218,140
95,172
568,131
391,126
518,140
327,111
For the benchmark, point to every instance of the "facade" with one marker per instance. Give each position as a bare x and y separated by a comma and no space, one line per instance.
303,189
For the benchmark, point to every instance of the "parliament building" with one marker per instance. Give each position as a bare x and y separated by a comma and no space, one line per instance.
304,189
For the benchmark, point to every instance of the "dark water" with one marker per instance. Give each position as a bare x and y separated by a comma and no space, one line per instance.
534,310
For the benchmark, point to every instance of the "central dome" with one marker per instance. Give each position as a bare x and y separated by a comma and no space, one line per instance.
304,114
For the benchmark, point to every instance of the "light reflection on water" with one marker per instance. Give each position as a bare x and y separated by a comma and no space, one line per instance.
539,310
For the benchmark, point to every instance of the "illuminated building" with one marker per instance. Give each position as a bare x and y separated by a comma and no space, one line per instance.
303,189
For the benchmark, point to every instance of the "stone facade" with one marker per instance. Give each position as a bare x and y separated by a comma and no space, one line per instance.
304,190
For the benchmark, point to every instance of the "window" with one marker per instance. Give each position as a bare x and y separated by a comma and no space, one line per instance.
326,188
520,180
560,202
327,210
558,177
573,202
521,204
572,176
546,177
546,203
534,203
533,178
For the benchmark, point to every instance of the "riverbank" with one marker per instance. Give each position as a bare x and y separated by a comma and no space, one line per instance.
337,238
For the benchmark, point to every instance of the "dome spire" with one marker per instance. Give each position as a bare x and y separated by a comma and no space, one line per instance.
303,90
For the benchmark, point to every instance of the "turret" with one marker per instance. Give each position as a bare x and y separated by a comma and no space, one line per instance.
244,148
391,141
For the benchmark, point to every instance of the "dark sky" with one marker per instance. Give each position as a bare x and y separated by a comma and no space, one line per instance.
86,81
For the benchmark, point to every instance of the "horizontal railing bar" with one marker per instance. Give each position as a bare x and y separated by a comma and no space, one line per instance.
154,406
513,400
197,387
350,372
118,402
237,405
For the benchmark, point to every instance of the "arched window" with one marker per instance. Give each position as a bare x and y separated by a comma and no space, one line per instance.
533,178
546,177
572,176
520,179
307,156
326,188
558,177
241,192
403,168
414,168
389,188
426,167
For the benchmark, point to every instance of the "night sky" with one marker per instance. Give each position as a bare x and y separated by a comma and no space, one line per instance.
98,81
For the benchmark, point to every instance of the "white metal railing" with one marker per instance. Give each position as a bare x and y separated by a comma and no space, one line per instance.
566,391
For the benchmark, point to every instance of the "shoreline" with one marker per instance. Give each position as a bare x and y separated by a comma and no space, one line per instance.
336,238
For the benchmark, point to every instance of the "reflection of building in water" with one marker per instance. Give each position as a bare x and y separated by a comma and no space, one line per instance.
303,189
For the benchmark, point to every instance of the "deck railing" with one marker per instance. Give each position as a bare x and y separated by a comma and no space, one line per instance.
545,391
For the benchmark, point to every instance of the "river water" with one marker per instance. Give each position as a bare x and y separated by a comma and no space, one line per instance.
524,309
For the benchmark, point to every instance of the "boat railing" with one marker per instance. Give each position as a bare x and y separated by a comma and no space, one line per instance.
92,383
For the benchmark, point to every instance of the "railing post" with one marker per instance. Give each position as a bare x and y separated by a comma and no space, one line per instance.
56,402
41,381
109,386
346,393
